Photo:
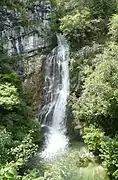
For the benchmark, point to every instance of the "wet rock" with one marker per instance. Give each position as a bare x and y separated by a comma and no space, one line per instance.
33,80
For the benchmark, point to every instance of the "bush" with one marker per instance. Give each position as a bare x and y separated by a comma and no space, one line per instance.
76,26
15,157
13,79
106,148
25,149
109,153
20,126
9,171
5,145
8,96
103,8
113,27
93,138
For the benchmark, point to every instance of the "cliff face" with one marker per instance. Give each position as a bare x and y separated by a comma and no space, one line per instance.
28,41
33,80
19,39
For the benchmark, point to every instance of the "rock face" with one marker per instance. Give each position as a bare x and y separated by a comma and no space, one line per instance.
28,41
33,80
19,39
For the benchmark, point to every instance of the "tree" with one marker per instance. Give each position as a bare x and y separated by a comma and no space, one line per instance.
98,102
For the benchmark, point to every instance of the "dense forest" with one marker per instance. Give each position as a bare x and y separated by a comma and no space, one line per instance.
91,30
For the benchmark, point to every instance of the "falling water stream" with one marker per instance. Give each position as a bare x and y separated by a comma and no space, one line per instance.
53,113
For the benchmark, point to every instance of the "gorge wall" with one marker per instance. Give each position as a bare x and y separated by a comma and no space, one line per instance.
19,38
31,43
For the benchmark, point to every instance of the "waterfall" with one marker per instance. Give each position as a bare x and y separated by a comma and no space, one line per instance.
56,91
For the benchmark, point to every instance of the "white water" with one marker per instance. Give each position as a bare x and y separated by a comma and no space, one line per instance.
53,114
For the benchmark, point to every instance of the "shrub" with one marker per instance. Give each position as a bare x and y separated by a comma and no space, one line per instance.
13,79
76,26
9,171
93,138
8,96
18,156
25,149
5,145
109,153
113,27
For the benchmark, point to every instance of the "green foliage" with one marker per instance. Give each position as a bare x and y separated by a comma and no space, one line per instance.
71,23
94,84
99,8
113,27
19,126
86,21
94,102
9,171
103,8
8,96
93,138
25,149
5,145
13,79
98,101
56,3
81,64
18,155
76,26
6,63
109,153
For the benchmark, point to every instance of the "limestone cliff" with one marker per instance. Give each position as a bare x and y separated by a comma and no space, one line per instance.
28,41
18,38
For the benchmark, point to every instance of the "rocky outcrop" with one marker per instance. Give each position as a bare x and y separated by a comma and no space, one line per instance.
18,38
33,80
28,41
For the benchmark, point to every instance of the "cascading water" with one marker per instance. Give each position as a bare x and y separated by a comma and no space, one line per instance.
53,114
